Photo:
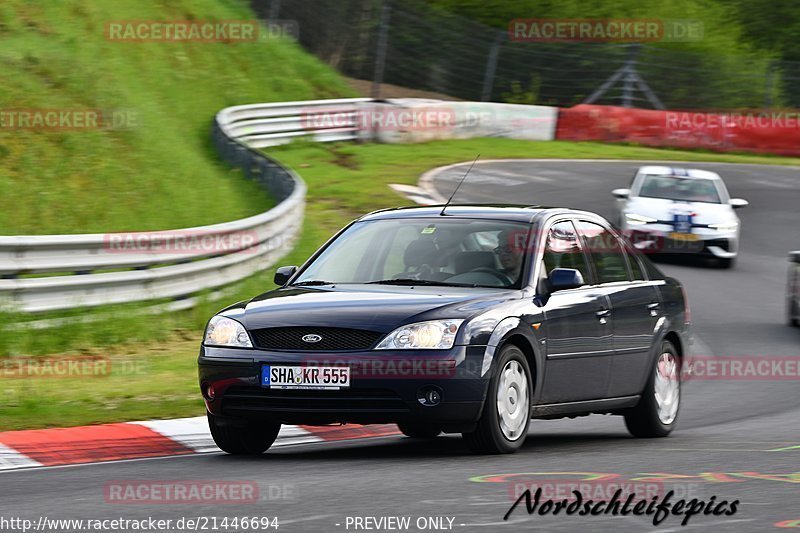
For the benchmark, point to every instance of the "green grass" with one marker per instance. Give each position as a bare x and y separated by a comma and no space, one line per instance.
345,181
127,383
161,172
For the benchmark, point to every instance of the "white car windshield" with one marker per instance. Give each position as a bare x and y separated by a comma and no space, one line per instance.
680,188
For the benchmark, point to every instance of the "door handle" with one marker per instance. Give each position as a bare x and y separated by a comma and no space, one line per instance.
603,313
653,307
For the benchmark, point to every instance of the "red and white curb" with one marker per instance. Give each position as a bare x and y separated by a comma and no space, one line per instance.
153,438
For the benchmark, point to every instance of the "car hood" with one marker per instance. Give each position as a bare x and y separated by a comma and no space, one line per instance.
662,209
373,307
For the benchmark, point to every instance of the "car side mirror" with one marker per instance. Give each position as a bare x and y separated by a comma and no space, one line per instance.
283,274
565,278
738,203
794,257
621,193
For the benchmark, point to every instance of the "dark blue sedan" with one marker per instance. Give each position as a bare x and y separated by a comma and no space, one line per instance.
469,319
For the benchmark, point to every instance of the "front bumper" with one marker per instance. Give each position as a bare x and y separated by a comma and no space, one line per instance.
661,239
384,387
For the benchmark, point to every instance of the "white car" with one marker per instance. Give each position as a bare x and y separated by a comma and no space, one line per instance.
677,210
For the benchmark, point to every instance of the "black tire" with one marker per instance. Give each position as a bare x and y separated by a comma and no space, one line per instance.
488,438
417,430
791,309
253,439
643,420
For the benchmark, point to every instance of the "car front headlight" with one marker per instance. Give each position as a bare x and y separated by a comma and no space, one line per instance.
725,226
635,219
431,335
224,331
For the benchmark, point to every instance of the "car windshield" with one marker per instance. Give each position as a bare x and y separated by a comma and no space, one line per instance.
679,188
424,251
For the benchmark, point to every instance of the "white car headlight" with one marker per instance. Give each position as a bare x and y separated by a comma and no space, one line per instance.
635,219
431,335
224,331
725,226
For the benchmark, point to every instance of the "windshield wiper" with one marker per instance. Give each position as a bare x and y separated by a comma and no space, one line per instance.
410,281
313,282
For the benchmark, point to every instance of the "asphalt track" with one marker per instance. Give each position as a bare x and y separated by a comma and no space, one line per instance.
735,440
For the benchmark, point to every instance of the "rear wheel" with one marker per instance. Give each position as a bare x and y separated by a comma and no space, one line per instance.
657,411
251,439
417,430
506,413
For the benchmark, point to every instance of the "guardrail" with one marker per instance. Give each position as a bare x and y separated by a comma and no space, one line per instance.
263,125
174,275
98,272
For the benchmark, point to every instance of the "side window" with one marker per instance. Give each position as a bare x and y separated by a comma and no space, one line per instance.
563,250
636,267
606,252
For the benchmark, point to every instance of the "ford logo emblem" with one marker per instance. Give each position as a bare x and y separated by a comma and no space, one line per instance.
311,338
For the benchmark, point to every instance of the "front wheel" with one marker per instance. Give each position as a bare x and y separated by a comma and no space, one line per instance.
506,413
250,439
657,411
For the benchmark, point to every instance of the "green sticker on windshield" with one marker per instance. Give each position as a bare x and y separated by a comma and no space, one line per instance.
428,230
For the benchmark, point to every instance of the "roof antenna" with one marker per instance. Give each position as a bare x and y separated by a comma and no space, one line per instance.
459,184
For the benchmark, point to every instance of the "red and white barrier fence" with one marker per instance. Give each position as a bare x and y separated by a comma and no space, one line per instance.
771,132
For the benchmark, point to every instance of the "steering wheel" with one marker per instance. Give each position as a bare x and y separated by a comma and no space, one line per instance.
499,275
424,271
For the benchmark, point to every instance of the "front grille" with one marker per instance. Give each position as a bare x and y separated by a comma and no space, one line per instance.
313,401
291,338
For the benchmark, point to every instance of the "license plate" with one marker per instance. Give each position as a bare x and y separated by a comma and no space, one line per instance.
305,377
682,222
691,237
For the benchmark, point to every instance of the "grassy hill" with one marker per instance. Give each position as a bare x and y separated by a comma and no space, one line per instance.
161,172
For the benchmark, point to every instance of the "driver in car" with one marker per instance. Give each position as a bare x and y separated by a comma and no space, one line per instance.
510,254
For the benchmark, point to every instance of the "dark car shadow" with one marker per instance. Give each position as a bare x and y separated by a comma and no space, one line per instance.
446,446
